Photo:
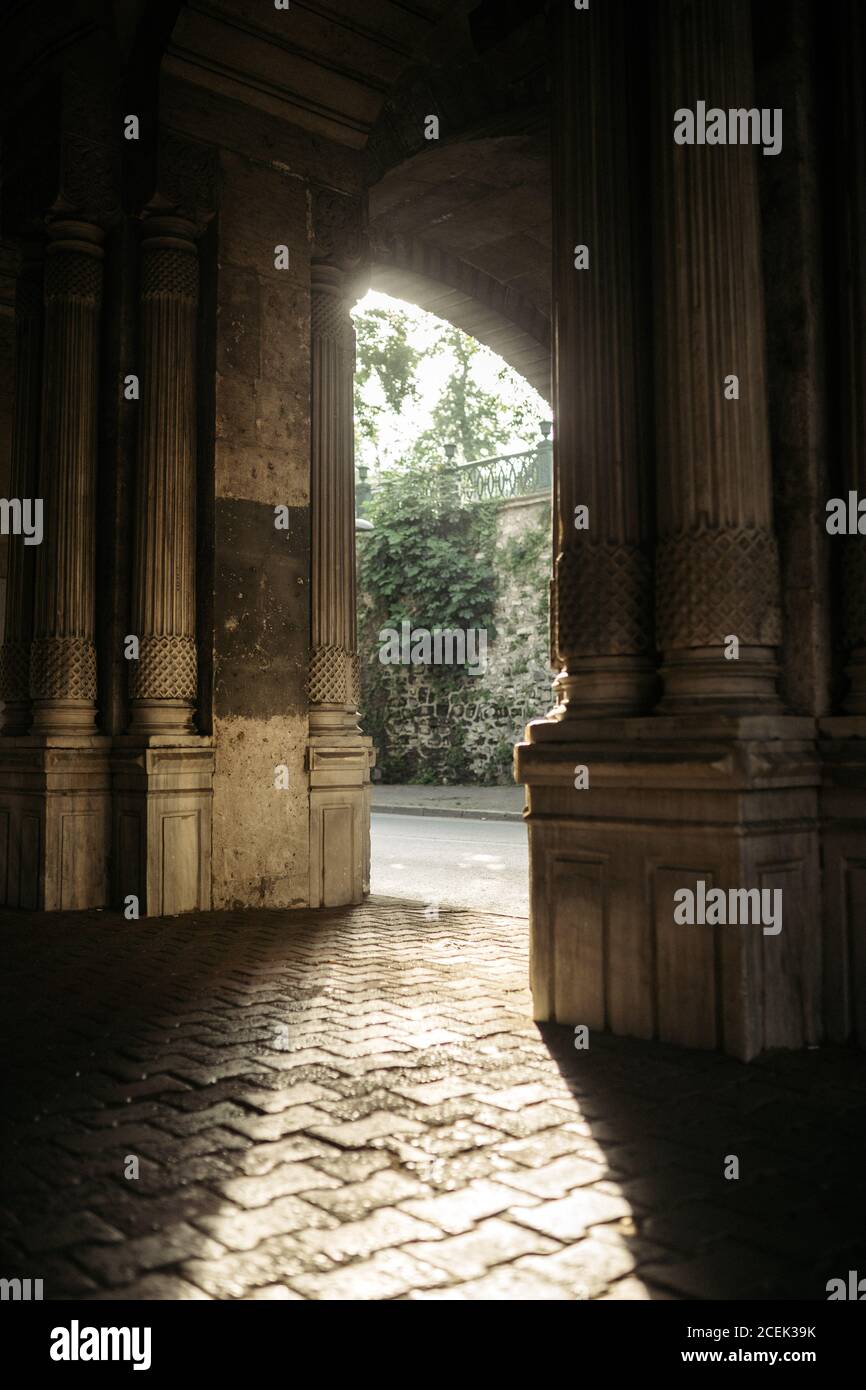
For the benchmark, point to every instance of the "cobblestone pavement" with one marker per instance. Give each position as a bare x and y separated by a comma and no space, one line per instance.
356,1104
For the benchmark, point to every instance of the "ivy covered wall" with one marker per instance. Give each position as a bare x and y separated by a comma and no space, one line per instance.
438,563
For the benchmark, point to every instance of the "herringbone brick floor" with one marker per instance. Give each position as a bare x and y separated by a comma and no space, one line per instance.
356,1104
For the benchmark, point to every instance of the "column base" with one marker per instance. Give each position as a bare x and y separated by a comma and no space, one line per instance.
725,799
163,797
339,759
701,678
55,822
604,686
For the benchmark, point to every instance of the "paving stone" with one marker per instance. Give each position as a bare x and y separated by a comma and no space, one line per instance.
241,1230
353,1201
493,1242
388,1274
556,1178
354,1134
507,1283
356,1104
456,1212
571,1217
361,1238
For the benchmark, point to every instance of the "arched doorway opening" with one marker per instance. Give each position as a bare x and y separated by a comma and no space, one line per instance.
453,478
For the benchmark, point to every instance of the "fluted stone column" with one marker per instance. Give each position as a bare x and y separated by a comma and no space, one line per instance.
843,736
626,809
334,654
339,756
602,605
162,683
850,132
717,571
162,769
18,630
63,652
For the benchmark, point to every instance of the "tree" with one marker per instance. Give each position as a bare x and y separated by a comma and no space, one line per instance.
383,353
476,421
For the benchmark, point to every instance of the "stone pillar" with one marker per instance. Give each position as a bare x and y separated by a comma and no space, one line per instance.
717,569
55,780
339,755
163,772
602,592
334,689
20,578
162,685
63,651
843,736
850,135
626,810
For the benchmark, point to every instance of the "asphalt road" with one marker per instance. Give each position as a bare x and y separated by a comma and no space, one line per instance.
453,862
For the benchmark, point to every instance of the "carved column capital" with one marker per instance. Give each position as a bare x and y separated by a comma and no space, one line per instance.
338,228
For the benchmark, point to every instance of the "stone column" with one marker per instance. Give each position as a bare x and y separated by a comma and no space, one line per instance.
624,812
162,684
339,755
843,736
850,135
717,571
334,656
601,599
162,769
63,652
18,630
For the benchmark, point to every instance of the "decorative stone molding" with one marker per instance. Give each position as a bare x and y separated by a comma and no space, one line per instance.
63,668
603,600
338,227
710,583
332,679
166,669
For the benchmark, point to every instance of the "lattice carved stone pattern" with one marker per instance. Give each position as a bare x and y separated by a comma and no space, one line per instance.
854,589
14,671
169,272
73,275
330,318
711,583
603,600
166,669
334,677
62,668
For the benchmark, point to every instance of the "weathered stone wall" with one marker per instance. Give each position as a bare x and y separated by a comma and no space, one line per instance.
257,601
440,724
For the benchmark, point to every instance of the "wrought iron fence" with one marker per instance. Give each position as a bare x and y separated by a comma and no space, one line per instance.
507,475
496,479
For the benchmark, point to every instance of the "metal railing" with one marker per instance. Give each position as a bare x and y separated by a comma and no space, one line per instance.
496,479
506,476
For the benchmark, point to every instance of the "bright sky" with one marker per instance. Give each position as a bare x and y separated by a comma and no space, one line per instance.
432,374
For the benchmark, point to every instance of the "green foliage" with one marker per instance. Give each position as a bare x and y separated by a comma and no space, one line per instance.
383,351
429,558
477,422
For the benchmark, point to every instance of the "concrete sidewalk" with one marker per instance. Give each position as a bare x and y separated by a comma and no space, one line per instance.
485,803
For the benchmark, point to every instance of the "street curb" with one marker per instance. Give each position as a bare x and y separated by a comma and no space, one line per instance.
444,811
